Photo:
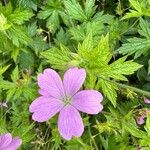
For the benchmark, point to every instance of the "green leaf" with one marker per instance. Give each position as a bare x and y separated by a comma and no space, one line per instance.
89,8
145,28
109,90
52,12
4,25
133,130
43,14
58,58
95,58
26,4
74,10
26,60
147,126
135,45
131,14
135,4
149,66
15,53
15,74
19,35
53,21
121,67
104,49
6,84
141,8
3,69
20,16
86,46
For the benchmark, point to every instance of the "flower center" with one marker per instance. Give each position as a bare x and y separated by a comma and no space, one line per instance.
67,101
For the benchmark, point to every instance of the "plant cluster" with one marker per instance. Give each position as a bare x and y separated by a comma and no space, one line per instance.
109,39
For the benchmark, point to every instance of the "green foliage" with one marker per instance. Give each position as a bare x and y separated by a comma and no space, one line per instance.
109,39
138,46
52,13
76,12
96,60
18,86
141,7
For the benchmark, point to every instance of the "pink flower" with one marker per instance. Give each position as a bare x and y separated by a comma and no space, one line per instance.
9,143
64,97
147,101
141,120
3,104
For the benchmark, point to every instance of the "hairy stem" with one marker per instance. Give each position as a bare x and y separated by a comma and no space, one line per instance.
124,86
137,90
90,134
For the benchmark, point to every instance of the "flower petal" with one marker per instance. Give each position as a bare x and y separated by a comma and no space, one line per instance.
141,120
88,101
44,108
14,145
50,84
73,80
5,140
70,123
147,101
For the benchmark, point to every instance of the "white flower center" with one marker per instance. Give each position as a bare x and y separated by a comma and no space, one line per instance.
67,101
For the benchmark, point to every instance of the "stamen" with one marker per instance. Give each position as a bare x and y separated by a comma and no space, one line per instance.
67,101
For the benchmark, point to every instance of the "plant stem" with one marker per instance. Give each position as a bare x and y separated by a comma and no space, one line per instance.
80,141
90,134
137,90
124,86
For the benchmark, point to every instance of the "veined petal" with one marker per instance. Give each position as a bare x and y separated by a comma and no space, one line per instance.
14,145
50,84
73,80
70,123
5,140
44,108
147,101
88,101
141,120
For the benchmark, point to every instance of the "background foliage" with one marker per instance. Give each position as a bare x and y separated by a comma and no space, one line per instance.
110,39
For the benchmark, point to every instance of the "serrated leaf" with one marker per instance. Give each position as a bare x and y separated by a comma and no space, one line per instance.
141,8
149,66
26,60
19,35
20,16
135,45
62,37
26,4
15,53
52,12
109,90
74,10
135,4
122,67
4,25
95,59
6,84
89,8
15,74
86,46
43,14
58,58
53,21
3,69
147,126
104,49
145,28
133,130
98,56
131,14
